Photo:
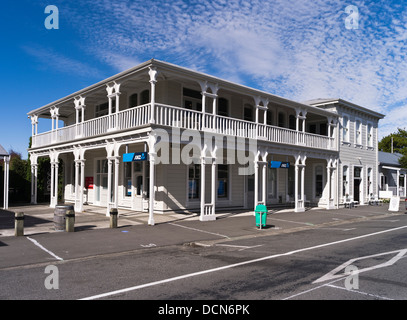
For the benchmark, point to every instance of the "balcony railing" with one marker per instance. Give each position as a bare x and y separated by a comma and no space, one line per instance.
170,116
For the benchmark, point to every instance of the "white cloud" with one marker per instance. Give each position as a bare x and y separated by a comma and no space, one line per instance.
297,49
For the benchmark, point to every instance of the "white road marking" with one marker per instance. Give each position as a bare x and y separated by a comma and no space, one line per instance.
306,223
194,274
241,247
45,249
216,234
357,291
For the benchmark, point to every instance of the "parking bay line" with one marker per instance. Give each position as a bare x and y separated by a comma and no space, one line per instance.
198,273
45,249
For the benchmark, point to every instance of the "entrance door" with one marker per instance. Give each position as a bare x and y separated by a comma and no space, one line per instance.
356,189
101,181
357,179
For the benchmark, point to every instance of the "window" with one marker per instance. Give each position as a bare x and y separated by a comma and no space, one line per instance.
145,97
345,181
248,112
272,183
133,100
281,119
358,132
103,109
127,179
269,117
369,181
357,172
223,109
318,181
292,122
369,135
192,99
345,129
194,181
223,180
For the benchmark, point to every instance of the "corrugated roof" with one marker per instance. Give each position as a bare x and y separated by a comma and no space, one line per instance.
387,158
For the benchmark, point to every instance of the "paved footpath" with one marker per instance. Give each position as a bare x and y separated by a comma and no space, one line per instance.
92,236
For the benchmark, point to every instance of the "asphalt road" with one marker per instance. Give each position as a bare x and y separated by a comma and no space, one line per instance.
303,263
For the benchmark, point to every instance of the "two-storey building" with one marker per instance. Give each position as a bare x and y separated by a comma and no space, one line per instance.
160,137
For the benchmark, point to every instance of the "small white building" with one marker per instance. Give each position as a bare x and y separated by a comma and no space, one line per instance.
160,137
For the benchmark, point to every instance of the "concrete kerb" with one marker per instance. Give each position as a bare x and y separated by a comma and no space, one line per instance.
39,219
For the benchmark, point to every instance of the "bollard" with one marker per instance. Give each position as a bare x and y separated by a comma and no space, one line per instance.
70,221
113,218
19,224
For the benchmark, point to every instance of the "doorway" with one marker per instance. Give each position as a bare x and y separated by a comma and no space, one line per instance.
357,179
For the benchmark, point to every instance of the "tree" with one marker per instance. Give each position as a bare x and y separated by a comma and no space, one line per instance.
399,145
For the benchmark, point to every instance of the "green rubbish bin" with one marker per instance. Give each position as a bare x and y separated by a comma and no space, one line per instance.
261,215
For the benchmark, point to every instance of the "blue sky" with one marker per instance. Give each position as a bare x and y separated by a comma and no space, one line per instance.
297,49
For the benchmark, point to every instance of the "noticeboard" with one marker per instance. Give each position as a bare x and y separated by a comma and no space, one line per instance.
394,203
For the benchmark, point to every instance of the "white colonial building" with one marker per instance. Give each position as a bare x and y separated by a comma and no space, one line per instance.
160,137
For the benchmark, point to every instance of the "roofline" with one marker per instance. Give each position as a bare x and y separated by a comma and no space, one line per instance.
192,74
352,105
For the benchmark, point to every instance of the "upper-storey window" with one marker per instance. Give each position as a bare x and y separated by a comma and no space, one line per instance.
345,129
103,109
269,117
291,122
144,97
358,132
281,119
192,99
248,112
223,107
369,135
133,100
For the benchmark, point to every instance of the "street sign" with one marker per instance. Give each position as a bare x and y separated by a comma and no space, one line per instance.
135,156
279,164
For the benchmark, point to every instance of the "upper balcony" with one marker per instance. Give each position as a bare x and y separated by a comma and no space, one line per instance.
158,94
176,117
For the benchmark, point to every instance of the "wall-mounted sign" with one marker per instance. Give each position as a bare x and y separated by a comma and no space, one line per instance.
279,164
135,156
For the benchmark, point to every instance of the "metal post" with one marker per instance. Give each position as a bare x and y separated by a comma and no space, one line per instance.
19,224
70,221
113,218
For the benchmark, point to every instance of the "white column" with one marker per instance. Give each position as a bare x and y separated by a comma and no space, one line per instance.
152,156
263,189
82,185
6,160
213,187
77,167
109,184
34,172
116,181
203,162
296,187
56,184
153,80
256,184
52,204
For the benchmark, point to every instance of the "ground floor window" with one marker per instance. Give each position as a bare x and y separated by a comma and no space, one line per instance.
318,181
223,180
345,181
194,181
272,183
